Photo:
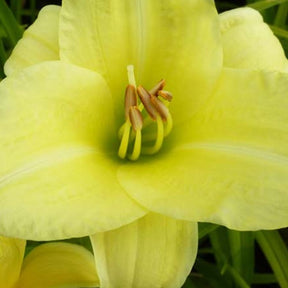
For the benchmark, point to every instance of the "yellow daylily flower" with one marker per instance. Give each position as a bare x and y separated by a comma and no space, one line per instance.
46,266
73,149
224,161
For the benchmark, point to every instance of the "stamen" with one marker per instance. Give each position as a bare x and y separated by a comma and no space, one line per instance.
124,141
167,129
165,95
145,98
130,99
159,86
157,112
137,146
135,117
160,107
159,140
169,125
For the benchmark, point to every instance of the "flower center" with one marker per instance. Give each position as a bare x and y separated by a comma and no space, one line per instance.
148,120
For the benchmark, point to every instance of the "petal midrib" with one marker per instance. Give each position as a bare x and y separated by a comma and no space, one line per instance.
237,150
45,160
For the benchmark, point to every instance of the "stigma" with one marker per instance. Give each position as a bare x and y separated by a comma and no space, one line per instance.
143,110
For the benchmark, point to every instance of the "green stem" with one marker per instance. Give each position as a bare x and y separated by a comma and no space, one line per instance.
276,253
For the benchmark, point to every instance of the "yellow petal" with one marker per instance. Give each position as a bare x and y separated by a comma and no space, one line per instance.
178,40
56,179
155,251
248,42
39,42
11,256
233,168
58,265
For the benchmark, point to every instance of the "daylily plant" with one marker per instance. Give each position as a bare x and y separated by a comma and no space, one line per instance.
49,265
94,141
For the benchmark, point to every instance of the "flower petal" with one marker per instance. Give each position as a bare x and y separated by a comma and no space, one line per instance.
58,265
178,40
11,257
154,251
39,42
233,169
56,179
248,42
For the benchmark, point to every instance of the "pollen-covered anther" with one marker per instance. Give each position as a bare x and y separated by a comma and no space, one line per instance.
160,107
145,98
136,118
159,86
165,95
130,99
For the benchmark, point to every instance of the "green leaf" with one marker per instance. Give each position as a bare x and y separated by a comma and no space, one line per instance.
265,4
264,278
242,253
209,275
9,24
279,32
238,279
190,284
16,7
205,228
3,58
281,15
221,246
276,253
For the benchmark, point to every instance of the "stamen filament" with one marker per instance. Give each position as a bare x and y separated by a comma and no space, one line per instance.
122,152
159,140
137,146
169,125
121,130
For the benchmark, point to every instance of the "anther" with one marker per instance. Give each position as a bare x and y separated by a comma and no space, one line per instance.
165,95
159,86
136,119
130,99
160,107
145,98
